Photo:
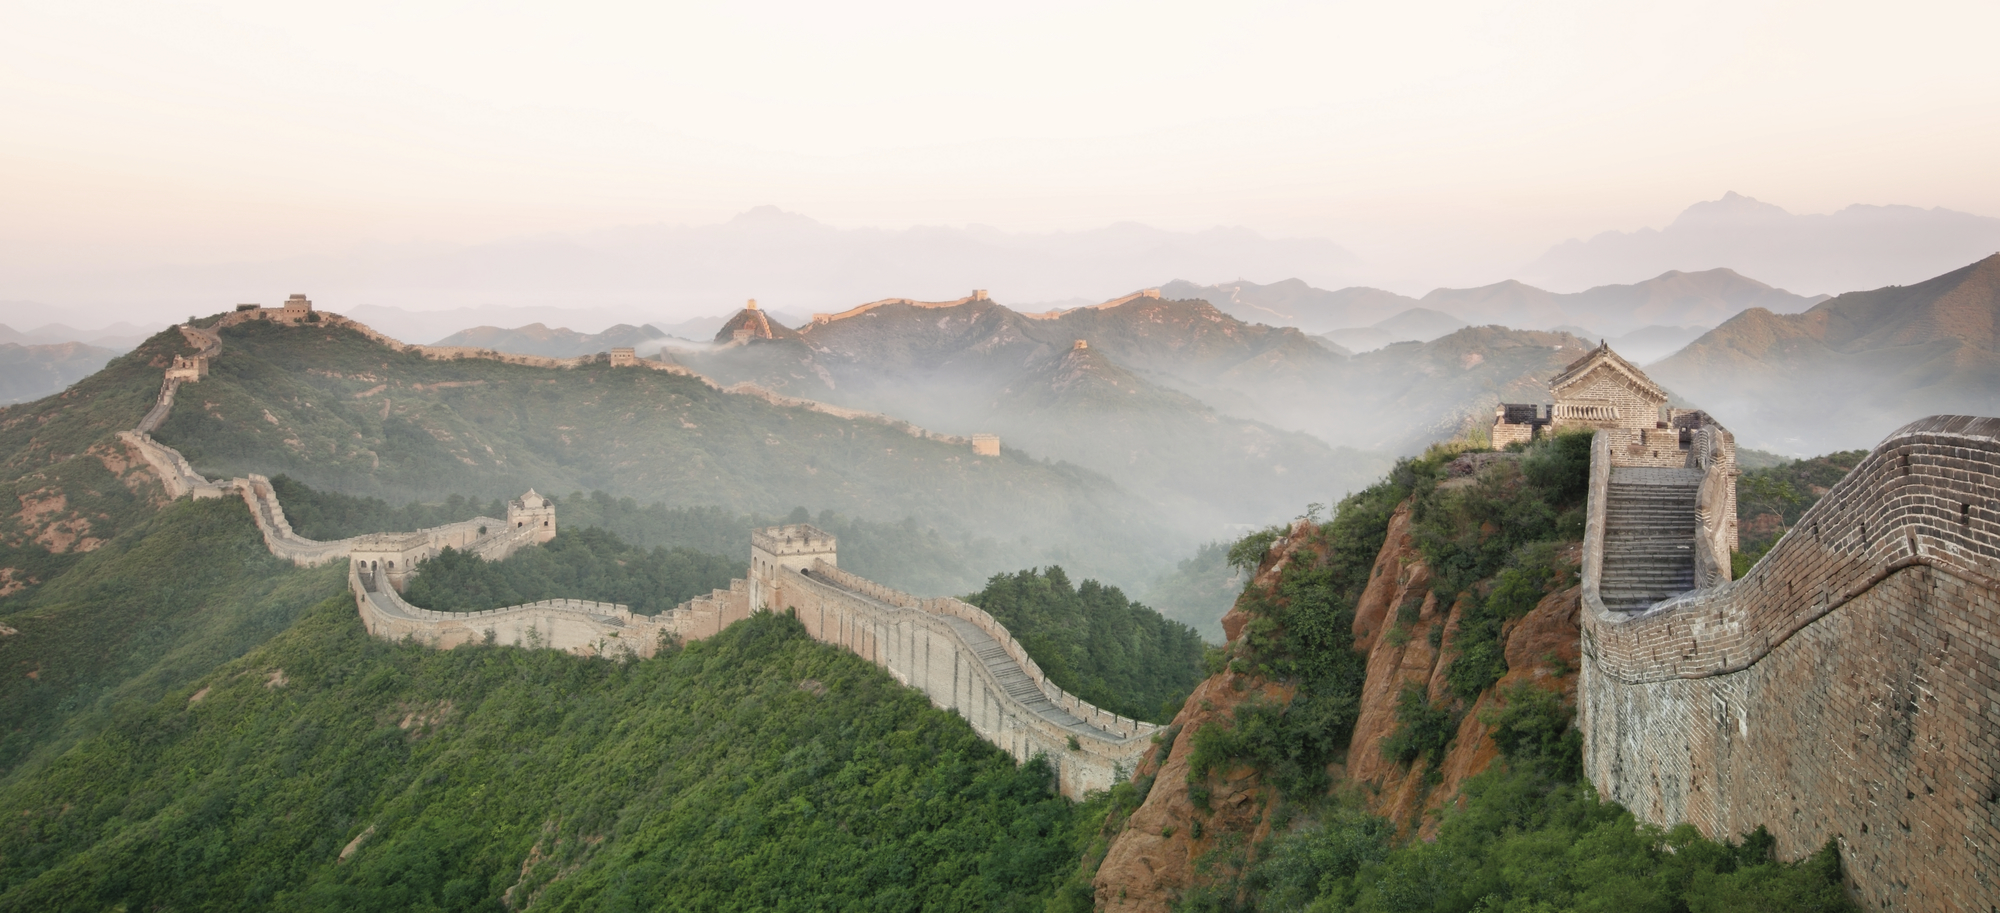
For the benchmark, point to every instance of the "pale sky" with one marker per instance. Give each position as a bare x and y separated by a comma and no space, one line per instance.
216,132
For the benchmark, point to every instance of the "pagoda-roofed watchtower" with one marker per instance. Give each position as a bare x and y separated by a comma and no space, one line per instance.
1602,390
793,547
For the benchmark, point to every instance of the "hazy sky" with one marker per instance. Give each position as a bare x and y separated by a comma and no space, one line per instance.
152,132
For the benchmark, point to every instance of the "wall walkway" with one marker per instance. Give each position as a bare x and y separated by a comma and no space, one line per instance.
954,652
1847,688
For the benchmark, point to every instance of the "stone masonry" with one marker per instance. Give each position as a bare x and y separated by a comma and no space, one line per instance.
954,652
1846,689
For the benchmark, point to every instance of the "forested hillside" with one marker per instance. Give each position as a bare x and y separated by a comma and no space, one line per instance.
902,554
340,412
1852,369
1390,729
328,770
1137,402
1095,643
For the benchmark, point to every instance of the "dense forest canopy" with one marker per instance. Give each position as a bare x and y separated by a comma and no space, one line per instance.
1095,643
329,770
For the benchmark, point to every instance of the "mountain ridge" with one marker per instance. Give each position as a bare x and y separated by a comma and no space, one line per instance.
1852,368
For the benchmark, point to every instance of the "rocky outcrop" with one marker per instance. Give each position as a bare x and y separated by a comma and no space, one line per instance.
1159,854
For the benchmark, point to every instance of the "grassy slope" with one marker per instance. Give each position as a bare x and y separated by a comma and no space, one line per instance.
298,401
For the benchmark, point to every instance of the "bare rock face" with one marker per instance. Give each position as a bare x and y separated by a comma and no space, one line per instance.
1152,862
1539,645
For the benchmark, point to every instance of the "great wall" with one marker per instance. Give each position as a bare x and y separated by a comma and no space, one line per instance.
956,653
1845,689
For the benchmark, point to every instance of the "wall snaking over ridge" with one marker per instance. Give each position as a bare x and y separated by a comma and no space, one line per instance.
1847,688
992,681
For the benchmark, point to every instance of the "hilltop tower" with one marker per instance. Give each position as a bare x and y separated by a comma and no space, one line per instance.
793,547
188,368
533,512
623,357
1604,392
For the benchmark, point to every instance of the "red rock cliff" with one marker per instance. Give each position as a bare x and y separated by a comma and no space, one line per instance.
1169,846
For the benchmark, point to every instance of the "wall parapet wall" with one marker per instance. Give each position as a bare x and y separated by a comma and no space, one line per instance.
1090,749
998,688
1844,689
1076,706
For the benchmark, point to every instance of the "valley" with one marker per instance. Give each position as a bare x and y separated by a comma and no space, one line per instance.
1404,673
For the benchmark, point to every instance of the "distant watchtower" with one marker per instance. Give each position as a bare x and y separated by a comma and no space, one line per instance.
188,368
780,548
296,308
623,357
533,512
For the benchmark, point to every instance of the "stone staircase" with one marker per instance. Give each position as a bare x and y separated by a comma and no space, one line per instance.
1649,526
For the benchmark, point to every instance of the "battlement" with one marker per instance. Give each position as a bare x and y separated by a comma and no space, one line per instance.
977,295
793,539
1841,689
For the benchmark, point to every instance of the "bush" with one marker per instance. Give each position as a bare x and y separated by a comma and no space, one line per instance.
1533,728
1423,729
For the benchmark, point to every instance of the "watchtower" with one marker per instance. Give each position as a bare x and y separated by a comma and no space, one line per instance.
624,357
986,444
777,549
392,556
533,512
188,368
296,308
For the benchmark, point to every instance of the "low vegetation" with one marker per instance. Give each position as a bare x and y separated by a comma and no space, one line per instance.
1095,643
1525,835
333,409
1199,590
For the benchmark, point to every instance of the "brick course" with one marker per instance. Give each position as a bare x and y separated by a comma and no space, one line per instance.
1845,689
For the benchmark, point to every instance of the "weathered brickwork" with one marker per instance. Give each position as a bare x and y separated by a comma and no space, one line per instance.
1846,689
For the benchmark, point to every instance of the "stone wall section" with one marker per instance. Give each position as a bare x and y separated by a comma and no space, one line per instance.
964,661
991,681
1847,688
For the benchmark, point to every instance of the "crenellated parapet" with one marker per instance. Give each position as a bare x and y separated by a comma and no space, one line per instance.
964,660
957,654
1843,689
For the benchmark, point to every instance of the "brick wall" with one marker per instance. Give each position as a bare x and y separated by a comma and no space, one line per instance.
1846,689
